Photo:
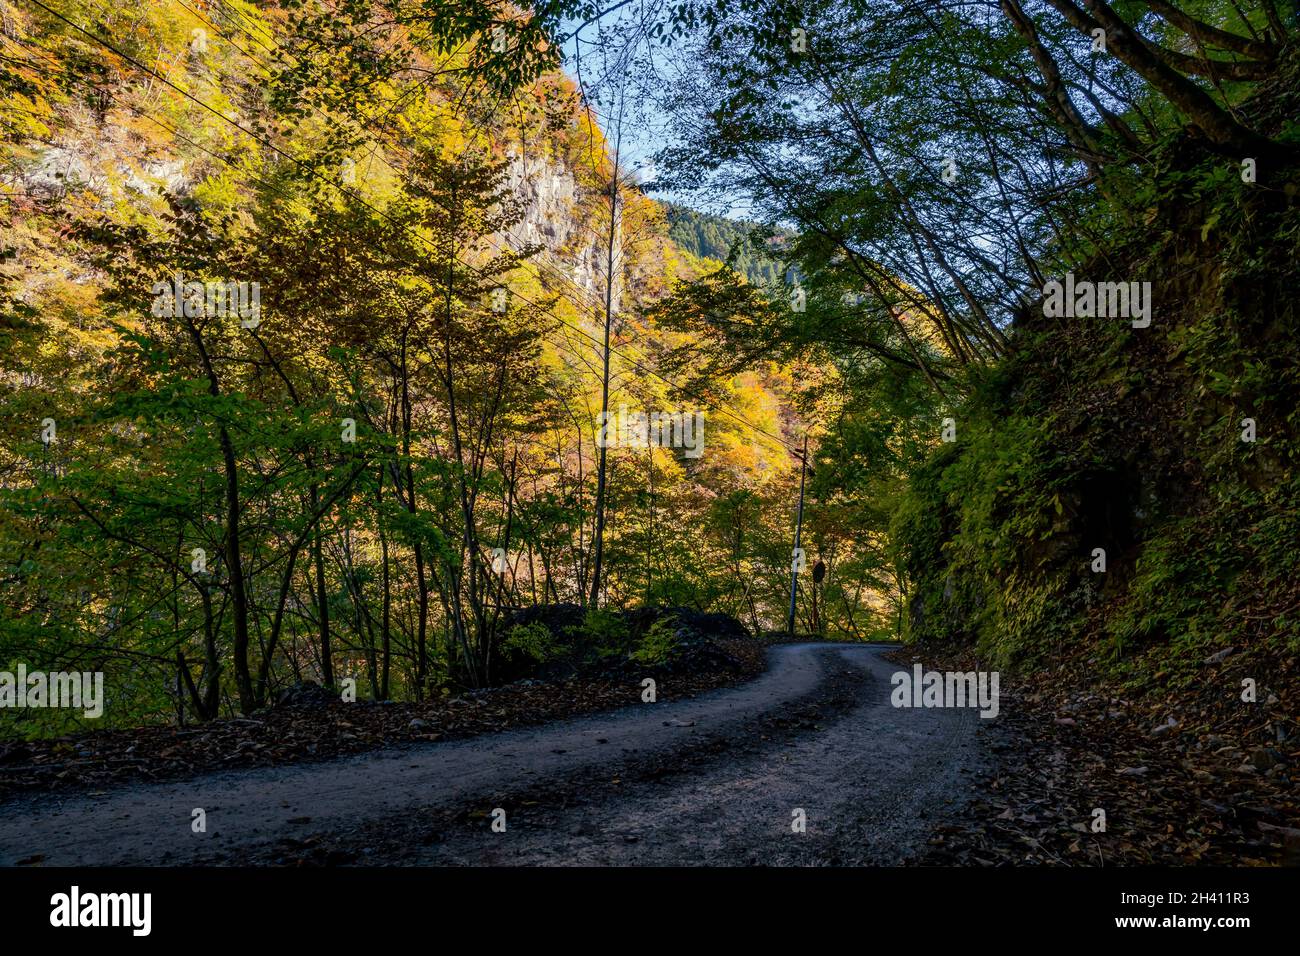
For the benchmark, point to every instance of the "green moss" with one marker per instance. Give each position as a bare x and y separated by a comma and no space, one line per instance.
1094,434
534,641
658,643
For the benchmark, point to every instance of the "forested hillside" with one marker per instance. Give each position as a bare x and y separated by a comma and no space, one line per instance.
304,363
345,343
740,245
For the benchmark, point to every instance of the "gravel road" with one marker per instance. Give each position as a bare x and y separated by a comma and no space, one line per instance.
717,779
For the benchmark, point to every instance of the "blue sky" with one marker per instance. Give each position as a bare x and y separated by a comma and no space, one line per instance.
646,129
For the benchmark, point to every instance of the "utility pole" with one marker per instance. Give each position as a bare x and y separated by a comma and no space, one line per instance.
798,530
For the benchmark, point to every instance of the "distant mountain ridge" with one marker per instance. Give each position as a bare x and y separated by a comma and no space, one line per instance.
716,237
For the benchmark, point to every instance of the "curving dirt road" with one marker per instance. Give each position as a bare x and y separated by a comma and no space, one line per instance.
712,780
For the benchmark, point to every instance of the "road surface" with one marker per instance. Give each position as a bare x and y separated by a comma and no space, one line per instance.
719,779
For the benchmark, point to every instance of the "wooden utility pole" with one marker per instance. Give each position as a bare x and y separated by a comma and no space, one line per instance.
798,530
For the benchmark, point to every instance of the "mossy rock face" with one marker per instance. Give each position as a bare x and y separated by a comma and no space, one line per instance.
1096,435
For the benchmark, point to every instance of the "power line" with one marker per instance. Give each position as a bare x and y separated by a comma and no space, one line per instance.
520,439
559,344
361,199
552,270
181,136
562,345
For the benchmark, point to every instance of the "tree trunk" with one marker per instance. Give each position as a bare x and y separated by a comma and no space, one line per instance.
598,550
322,598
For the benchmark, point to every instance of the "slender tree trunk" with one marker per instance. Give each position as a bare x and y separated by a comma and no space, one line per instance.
598,550
322,597
385,638
421,582
234,555
235,567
